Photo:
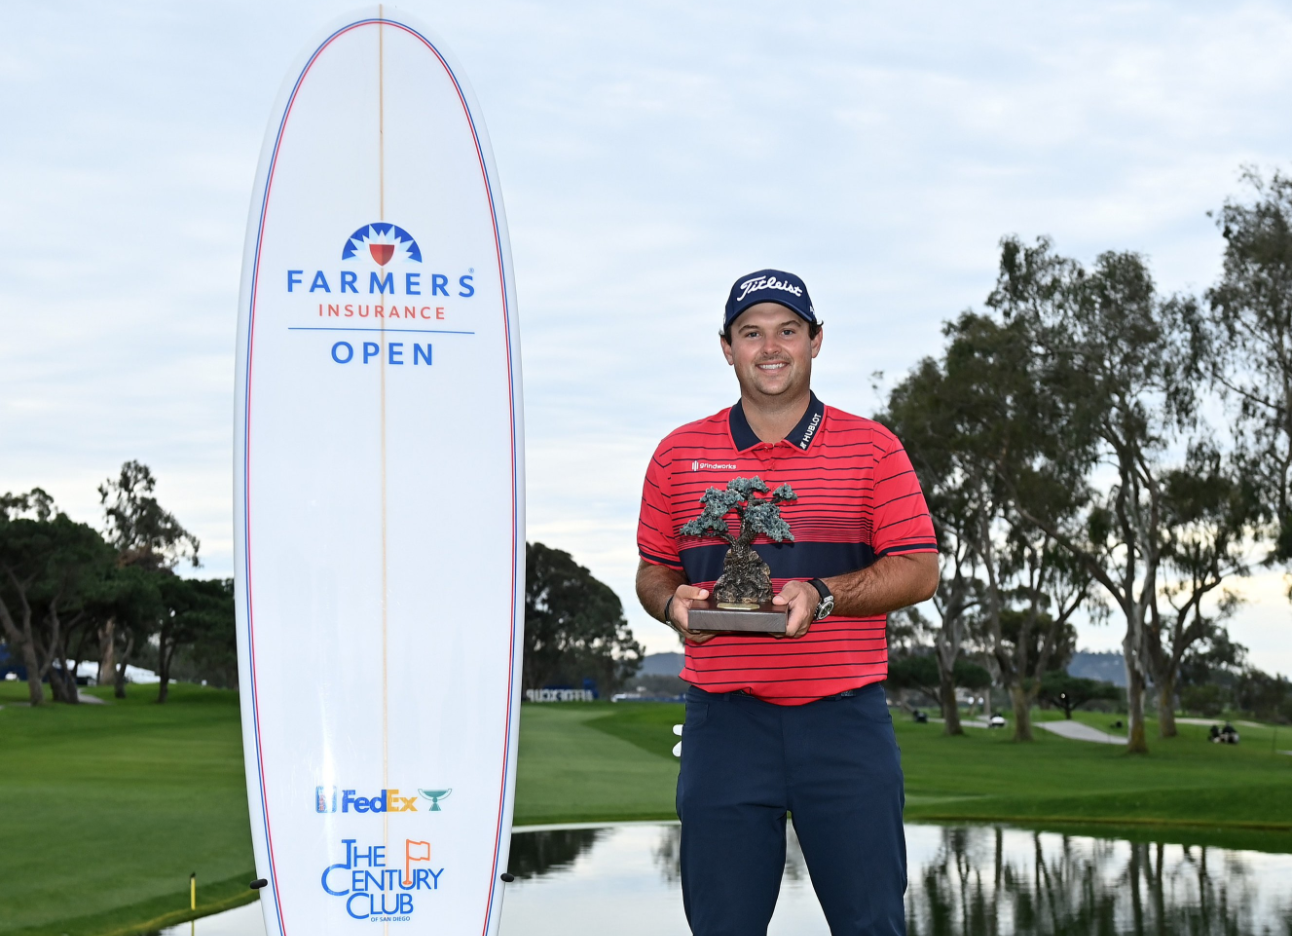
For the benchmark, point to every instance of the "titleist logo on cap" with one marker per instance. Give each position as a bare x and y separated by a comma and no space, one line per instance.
768,286
767,282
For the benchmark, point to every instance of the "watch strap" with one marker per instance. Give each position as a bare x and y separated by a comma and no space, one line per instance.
826,604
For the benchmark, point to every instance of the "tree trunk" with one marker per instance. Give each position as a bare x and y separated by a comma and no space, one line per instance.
165,650
1136,741
1022,702
35,692
62,686
1166,706
107,649
119,683
950,707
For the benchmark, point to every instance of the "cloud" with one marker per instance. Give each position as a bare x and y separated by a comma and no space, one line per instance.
649,154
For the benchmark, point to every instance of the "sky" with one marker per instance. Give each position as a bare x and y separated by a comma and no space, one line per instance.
649,153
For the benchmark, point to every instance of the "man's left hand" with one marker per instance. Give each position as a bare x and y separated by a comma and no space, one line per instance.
802,599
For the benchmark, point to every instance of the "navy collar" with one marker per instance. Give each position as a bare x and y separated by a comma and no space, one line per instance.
800,436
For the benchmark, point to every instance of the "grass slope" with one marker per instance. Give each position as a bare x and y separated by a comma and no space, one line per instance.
106,809
1238,796
569,771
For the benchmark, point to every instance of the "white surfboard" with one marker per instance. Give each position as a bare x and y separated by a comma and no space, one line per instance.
379,487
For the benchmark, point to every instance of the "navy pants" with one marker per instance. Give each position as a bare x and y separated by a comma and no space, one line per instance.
835,766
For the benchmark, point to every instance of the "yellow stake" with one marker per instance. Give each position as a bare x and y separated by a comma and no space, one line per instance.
192,891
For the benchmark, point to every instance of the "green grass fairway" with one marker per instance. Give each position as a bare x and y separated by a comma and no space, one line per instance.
107,808
1184,787
1187,789
583,762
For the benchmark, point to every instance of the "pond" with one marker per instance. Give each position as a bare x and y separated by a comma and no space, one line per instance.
964,881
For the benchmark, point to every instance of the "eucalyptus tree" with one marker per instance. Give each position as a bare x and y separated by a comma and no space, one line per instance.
1118,365
147,537
1249,328
1016,429
980,428
194,612
50,567
142,531
20,568
1035,587
1207,515
922,411
127,609
574,624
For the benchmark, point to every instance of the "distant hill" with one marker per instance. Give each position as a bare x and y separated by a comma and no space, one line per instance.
662,664
1106,667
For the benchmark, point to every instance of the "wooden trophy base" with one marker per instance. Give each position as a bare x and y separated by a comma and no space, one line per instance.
706,617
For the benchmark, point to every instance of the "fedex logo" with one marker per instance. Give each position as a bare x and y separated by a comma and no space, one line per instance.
386,801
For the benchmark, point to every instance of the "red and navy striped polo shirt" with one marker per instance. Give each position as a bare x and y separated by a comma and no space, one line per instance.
858,500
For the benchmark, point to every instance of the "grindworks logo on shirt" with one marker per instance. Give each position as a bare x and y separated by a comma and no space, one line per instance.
708,466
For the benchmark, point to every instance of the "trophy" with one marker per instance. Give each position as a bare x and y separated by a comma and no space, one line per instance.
435,796
741,599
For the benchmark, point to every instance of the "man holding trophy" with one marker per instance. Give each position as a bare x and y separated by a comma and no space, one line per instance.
786,711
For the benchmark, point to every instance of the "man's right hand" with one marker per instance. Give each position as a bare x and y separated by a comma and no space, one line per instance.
679,612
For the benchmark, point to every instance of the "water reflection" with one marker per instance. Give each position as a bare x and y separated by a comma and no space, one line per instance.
993,882
964,881
547,851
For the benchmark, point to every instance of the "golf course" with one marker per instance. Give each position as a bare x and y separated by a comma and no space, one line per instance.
109,808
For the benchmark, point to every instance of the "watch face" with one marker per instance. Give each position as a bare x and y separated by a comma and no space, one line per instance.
825,607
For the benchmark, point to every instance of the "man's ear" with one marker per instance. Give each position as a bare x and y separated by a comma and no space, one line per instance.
727,352
816,342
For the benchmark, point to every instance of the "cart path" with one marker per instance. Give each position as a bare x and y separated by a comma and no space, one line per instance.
1078,731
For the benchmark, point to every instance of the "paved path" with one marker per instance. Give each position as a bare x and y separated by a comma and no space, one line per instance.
1213,721
1078,731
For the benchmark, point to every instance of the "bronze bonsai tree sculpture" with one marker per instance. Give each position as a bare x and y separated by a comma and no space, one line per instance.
746,580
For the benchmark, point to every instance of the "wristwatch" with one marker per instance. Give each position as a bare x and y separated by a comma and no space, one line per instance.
826,606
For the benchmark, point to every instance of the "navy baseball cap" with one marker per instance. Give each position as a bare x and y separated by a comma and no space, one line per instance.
769,286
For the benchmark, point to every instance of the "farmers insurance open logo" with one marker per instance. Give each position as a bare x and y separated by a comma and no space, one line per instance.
398,273
382,278
382,241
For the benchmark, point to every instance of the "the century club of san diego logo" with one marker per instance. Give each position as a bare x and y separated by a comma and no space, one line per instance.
374,881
